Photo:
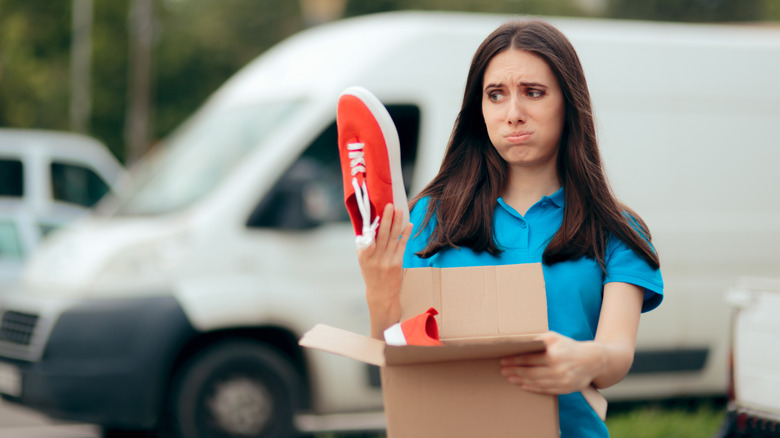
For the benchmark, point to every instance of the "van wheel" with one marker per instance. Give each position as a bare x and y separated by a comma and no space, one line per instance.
236,389
126,433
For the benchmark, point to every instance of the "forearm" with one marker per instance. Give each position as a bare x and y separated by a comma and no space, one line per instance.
616,334
384,309
568,365
611,362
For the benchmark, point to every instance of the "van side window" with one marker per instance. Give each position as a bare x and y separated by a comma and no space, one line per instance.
310,192
76,184
11,178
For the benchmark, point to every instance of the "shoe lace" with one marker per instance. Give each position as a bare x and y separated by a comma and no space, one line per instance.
357,164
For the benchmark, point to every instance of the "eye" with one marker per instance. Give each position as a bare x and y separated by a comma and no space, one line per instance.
495,95
535,93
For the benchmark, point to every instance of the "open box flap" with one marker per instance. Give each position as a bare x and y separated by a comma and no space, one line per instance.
344,343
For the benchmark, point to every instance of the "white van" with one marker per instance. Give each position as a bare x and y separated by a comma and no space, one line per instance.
181,308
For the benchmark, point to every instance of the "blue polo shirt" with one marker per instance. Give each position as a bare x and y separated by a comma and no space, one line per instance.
574,288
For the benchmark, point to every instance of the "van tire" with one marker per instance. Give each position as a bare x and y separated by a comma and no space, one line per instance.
239,388
126,433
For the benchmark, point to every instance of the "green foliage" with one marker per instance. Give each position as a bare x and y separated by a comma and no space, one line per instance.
203,42
512,7
659,422
34,56
109,73
689,10
199,44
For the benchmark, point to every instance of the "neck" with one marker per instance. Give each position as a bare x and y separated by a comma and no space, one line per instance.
527,185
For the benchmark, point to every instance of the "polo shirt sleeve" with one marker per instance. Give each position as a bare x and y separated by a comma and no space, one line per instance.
626,266
419,238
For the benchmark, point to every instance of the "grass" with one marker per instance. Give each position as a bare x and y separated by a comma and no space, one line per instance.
680,419
676,419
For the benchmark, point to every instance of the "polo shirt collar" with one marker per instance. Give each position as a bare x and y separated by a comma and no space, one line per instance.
558,198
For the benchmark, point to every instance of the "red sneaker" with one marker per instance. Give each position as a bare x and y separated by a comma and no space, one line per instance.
370,162
419,330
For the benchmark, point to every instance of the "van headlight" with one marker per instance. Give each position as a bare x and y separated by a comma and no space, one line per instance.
144,266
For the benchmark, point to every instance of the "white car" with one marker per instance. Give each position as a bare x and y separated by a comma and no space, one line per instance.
754,392
58,175
47,180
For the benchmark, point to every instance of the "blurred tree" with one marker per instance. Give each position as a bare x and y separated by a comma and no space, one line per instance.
34,63
316,12
772,10
203,42
689,10
142,27
80,65
200,43
110,48
536,7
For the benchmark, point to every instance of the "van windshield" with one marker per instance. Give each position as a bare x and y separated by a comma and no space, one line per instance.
195,159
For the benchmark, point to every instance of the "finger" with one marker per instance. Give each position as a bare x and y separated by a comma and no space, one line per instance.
532,379
400,231
365,253
405,234
528,373
541,387
550,338
398,234
531,359
385,223
397,225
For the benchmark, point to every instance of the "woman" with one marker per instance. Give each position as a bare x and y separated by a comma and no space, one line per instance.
522,182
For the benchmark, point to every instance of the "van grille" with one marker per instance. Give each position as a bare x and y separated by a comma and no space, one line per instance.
17,327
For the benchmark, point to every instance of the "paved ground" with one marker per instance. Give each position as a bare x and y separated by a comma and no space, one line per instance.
17,422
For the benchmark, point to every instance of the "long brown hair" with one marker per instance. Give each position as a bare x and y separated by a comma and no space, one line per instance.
473,175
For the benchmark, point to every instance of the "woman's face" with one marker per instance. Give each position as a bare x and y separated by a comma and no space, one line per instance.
523,108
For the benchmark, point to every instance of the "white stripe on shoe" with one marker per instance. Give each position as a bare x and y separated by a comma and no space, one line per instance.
394,335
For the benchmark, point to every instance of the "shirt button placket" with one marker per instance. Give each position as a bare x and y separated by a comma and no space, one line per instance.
524,240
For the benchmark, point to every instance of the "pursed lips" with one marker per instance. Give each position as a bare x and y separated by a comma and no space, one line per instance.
518,137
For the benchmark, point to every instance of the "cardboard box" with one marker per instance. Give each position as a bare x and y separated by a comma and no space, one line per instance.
456,390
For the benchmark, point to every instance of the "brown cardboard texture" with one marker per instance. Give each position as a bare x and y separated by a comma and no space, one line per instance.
456,390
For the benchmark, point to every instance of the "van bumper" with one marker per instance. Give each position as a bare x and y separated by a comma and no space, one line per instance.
106,362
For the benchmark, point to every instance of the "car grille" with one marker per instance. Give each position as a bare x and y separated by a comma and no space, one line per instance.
17,327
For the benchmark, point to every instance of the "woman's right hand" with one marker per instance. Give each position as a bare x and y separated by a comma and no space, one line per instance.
382,267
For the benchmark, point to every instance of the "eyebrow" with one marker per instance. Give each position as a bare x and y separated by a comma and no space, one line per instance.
524,84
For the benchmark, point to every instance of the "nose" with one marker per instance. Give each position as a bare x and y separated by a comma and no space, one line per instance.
516,112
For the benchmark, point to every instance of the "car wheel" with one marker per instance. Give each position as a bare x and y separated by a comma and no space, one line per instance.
236,389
